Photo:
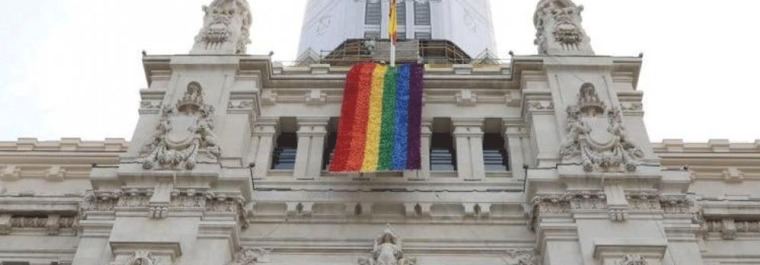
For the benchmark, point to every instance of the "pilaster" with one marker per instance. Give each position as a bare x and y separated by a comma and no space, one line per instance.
468,134
311,141
264,132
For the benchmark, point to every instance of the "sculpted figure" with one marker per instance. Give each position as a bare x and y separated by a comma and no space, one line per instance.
387,250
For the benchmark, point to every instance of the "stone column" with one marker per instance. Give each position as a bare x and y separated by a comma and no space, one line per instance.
468,135
311,144
514,134
263,143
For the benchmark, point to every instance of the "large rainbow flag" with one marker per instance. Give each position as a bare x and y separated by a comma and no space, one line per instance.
380,122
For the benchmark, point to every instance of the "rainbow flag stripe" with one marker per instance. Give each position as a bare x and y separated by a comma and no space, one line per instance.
380,122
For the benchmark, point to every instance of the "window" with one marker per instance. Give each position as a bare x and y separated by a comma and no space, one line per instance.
422,13
442,153
495,155
372,35
284,155
423,35
373,13
327,155
401,14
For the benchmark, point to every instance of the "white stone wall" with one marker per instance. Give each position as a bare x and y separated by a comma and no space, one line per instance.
467,23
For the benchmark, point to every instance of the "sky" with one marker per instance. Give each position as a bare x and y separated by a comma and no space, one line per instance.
72,68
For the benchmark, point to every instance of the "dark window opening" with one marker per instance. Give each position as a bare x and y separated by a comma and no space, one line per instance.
495,155
373,13
422,13
401,13
442,153
284,155
327,155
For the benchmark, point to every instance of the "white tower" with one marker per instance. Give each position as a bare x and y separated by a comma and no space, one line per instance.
467,23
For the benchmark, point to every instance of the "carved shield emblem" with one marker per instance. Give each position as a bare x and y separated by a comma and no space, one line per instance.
599,130
182,131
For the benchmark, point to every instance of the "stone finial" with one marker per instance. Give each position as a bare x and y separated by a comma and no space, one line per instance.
559,29
226,28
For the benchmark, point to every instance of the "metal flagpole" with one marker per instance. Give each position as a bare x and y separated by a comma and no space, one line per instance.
393,54
392,30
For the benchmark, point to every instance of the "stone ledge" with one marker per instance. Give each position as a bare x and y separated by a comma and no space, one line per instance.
712,146
115,145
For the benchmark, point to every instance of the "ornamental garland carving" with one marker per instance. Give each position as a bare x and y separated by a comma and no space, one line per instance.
226,27
387,250
596,137
184,136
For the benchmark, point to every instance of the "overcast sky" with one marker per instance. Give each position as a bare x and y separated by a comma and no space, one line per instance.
72,68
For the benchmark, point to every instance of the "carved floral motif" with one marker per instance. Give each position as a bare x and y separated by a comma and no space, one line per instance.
596,137
184,135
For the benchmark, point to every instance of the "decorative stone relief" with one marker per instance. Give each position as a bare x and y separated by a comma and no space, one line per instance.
52,223
251,256
559,29
55,173
184,136
150,107
631,259
142,257
541,106
387,250
226,28
520,257
596,137
315,97
207,202
466,98
10,173
240,105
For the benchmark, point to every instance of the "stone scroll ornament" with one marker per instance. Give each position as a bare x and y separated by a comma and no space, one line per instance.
596,137
226,28
184,136
387,250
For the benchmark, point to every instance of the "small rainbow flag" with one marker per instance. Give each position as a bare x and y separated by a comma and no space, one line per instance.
380,122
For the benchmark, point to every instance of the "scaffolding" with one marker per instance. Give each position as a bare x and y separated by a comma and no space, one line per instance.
407,51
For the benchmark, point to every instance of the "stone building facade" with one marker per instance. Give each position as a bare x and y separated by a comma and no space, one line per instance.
543,160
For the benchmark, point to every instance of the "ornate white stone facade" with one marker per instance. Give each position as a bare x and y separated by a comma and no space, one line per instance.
195,184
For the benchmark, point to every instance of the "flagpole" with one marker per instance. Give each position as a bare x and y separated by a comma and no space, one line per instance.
392,29
393,54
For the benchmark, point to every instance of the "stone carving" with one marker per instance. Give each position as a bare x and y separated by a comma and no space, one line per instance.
142,258
520,257
387,250
631,259
251,256
559,30
184,135
226,28
596,136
